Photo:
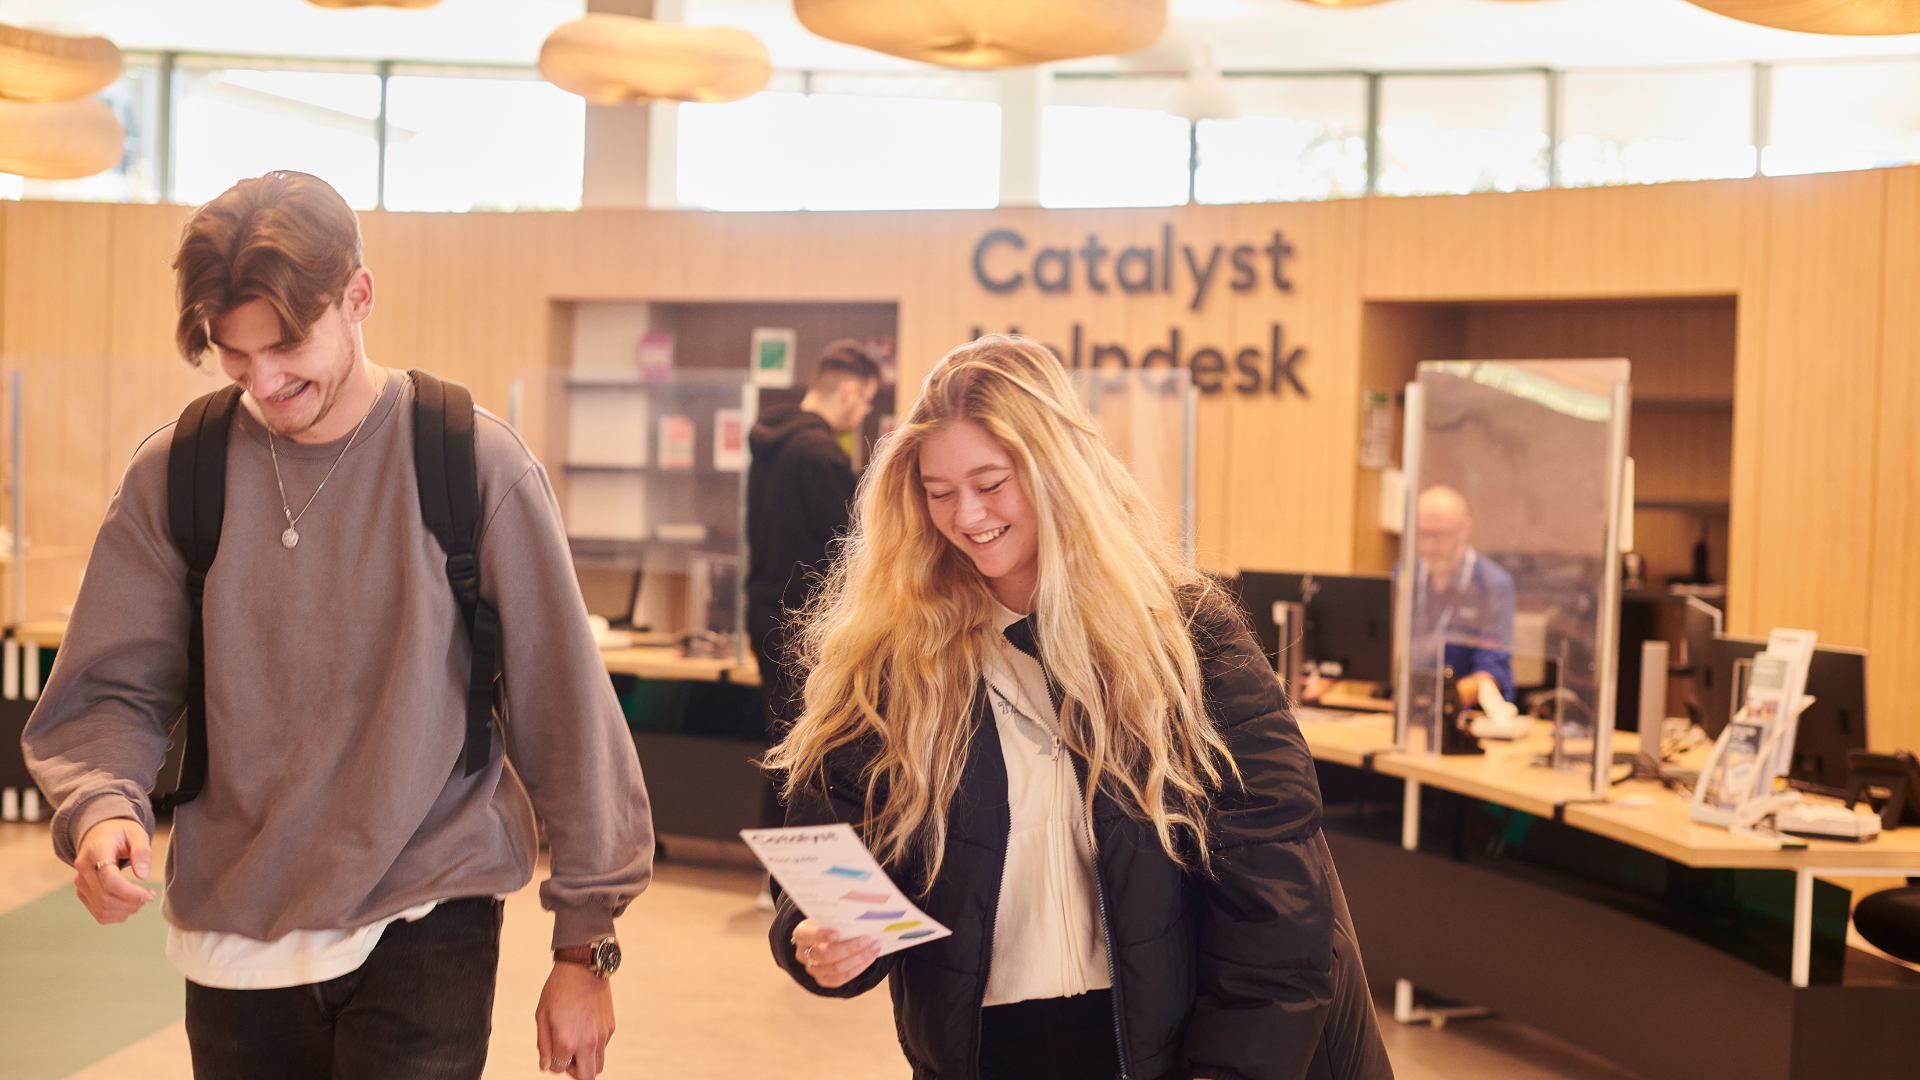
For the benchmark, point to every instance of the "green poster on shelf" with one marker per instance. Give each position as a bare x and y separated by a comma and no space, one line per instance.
772,359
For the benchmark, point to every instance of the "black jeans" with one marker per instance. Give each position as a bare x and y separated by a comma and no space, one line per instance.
420,1007
1070,1038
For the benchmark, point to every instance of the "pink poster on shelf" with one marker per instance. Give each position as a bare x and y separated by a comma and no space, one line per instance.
676,442
656,357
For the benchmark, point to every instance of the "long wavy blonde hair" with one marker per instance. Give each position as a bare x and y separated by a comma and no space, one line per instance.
895,641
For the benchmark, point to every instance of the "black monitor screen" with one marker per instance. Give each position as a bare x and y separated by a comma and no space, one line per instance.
1349,619
1835,723
608,593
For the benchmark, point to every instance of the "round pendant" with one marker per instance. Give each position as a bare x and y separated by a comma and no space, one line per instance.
289,538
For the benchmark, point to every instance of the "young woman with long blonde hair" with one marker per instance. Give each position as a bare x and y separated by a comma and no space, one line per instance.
1065,743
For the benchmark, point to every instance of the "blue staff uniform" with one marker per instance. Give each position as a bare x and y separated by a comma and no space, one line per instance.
1474,614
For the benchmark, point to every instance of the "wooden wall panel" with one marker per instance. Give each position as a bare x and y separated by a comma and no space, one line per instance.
390,248
58,295
1657,240
1681,348
1285,478
481,315
1645,240
1749,384
147,382
1456,247
1682,454
1895,598
1819,359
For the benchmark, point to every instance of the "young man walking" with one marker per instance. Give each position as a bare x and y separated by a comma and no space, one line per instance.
798,492
333,890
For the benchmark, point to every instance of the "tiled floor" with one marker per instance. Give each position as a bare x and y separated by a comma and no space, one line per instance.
698,996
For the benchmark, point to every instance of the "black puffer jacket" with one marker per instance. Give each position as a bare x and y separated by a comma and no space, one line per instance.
1250,973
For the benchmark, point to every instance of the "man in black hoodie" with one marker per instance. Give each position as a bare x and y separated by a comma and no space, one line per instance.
798,491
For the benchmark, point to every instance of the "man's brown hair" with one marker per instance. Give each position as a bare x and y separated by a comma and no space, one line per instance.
287,238
844,359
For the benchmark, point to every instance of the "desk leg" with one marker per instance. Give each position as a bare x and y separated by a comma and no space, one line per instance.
1802,925
1410,817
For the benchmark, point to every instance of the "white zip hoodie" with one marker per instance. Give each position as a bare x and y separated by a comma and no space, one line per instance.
1047,938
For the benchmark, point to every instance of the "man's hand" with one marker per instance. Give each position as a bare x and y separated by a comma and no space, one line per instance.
574,1022
1469,688
97,880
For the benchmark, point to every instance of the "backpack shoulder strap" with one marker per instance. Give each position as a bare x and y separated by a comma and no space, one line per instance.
448,477
196,506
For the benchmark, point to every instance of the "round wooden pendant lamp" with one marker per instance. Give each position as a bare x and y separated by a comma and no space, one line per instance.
63,140
611,59
373,3
1824,16
987,33
36,66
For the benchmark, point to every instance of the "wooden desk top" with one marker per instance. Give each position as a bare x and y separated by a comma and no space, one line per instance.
644,663
1505,775
1345,738
657,663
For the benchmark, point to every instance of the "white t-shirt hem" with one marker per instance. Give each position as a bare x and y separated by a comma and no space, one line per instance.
236,962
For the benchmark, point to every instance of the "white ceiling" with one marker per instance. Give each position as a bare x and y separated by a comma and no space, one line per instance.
1248,34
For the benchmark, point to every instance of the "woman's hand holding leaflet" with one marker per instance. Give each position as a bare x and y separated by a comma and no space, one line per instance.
830,961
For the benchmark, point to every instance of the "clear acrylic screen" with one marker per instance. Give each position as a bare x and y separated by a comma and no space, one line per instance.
1511,534
1144,414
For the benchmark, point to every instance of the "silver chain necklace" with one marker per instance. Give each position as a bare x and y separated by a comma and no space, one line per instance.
291,537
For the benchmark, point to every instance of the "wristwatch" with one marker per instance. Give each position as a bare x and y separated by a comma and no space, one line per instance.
601,957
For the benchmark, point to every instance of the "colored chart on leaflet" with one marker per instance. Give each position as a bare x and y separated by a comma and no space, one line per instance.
816,864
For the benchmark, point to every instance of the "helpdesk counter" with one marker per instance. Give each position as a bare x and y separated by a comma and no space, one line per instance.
1673,948
699,727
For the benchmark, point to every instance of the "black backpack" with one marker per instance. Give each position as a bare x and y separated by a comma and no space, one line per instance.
449,485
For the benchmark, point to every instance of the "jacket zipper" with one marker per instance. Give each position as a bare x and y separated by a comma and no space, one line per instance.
1099,880
1106,934
993,928
986,959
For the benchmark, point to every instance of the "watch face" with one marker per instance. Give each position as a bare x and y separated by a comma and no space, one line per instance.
606,957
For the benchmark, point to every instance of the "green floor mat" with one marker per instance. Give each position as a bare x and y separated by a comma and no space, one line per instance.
73,991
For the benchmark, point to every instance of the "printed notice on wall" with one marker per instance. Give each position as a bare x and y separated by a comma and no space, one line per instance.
656,357
1376,430
730,439
676,442
836,882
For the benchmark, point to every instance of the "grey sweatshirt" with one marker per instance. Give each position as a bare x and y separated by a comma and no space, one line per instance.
336,793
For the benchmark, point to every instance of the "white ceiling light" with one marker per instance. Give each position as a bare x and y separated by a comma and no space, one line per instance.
1824,16
611,59
63,140
987,33
36,66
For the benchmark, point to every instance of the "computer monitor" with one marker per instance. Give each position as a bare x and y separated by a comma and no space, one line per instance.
1688,626
1349,619
1703,623
609,592
1835,723
1643,617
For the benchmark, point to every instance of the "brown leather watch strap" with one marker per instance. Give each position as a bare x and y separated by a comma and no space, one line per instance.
578,954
